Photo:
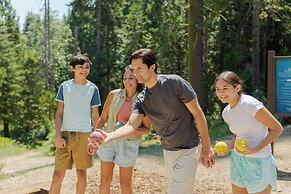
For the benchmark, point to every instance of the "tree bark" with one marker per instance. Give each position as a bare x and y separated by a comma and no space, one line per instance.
256,45
98,24
6,129
195,49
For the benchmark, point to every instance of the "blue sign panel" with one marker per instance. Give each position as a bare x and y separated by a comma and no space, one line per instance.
283,86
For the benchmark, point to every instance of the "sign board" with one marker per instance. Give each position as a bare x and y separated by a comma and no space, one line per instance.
279,84
283,85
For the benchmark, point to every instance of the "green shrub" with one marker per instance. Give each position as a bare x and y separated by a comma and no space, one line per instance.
5,142
218,130
49,145
8,147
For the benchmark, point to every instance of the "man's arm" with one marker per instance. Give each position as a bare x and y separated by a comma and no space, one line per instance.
127,130
144,128
59,141
207,154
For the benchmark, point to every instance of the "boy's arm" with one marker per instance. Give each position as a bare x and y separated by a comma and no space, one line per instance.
207,154
59,141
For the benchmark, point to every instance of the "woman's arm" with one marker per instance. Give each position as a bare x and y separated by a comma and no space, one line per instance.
104,115
95,115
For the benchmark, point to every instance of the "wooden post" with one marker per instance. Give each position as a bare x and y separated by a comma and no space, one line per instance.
271,85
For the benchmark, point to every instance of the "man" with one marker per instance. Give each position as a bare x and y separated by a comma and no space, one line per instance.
173,108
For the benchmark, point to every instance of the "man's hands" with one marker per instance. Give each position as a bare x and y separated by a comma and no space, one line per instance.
207,156
95,143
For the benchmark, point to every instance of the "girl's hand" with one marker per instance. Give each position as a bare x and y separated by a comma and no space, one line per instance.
228,147
248,150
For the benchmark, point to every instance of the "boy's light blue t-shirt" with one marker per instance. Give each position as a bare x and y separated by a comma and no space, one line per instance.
78,100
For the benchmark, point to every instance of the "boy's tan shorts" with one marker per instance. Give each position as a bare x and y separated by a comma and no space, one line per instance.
74,152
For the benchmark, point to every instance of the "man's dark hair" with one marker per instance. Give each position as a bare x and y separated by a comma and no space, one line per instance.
146,55
79,60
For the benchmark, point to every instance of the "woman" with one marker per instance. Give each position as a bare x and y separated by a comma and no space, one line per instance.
252,168
116,112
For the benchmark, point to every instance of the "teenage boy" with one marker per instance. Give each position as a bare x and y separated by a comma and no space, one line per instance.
77,111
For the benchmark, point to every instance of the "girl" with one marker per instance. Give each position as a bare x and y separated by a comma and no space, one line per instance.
252,169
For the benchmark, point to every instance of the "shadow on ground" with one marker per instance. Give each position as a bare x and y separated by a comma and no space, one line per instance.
283,175
41,191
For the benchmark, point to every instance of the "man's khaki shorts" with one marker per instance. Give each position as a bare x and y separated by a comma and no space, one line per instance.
75,152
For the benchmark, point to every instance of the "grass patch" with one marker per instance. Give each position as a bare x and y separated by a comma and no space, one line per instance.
151,147
8,147
150,142
46,148
218,130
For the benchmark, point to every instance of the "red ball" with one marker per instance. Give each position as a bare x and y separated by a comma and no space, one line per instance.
96,136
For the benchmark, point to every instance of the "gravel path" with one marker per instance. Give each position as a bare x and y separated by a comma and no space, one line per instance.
31,171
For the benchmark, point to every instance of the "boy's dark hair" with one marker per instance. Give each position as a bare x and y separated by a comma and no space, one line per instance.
146,55
139,85
79,60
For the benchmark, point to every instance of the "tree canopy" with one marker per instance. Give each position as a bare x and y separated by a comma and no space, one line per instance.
195,39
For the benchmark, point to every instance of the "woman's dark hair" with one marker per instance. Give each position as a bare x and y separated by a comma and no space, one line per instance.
147,56
230,78
139,85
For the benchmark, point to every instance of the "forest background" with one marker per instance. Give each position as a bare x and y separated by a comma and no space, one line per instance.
196,39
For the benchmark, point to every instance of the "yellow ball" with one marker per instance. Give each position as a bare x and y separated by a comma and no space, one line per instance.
220,147
241,145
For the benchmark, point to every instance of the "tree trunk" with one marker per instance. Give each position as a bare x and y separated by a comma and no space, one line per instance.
98,24
76,39
256,45
6,128
195,49
179,59
98,37
263,56
47,45
221,43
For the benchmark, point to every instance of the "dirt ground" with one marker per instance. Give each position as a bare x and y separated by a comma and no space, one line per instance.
31,171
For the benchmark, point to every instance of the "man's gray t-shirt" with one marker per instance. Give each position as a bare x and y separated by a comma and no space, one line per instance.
164,103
